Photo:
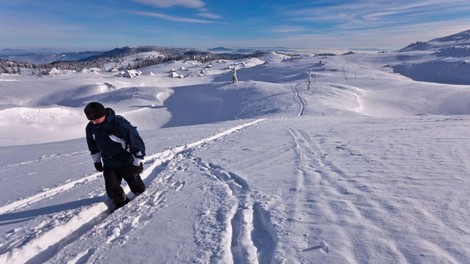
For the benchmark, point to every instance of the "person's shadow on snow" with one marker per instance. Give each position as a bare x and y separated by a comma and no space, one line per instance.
16,217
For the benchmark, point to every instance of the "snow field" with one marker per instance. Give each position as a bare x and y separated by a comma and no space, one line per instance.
365,167
353,190
59,232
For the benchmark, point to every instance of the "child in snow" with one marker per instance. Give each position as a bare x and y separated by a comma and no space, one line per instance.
117,150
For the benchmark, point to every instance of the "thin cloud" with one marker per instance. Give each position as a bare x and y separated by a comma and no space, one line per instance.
204,12
365,14
208,15
376,38
171,18
429,10
192,4
264,4
171,3
288,29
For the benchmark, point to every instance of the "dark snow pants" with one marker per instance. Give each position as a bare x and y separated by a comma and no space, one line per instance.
113,179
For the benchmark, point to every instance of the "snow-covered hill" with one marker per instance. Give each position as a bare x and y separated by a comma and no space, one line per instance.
443,60
455,40
307,159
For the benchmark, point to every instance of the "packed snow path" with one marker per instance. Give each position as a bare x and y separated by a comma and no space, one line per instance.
298,98
59,230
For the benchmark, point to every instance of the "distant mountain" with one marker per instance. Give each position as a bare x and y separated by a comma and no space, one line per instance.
461,39
119,52
126,51
44,57
220,49
248,50
125,57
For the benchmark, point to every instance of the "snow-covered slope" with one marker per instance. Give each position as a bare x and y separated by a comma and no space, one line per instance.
362,165
443,60
458,39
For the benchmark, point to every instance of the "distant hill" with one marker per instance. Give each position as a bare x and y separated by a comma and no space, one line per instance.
461,39
42,57
220,49
134,58
443,60
127,51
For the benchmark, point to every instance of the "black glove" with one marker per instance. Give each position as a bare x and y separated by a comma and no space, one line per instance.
139,169
99,166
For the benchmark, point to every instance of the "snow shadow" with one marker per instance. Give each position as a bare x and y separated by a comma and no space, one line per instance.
17,217
438,71
263,234
203,104
263,73
78,97
147,106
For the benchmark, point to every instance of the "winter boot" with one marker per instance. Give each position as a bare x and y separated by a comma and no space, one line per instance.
120,204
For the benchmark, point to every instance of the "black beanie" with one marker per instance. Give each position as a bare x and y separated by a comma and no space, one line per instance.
94,111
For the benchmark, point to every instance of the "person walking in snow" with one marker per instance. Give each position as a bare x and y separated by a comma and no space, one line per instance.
117,150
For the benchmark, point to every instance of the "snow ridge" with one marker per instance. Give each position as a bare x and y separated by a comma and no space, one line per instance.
47,194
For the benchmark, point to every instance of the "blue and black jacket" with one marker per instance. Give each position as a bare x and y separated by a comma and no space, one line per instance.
115,141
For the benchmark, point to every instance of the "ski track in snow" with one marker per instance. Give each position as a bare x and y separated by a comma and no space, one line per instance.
41,159
251,236
47,237
298,98
319,182
319,191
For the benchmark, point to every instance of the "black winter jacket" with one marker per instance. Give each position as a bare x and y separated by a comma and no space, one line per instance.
115,141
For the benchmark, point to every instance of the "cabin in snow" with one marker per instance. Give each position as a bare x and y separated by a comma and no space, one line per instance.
129,73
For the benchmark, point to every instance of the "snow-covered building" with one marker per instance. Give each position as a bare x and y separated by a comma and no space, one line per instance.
129,73
53,71
176,75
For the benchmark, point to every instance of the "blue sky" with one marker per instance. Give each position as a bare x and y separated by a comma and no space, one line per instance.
106,24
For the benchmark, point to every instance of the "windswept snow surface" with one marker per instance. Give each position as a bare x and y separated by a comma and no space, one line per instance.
366,166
